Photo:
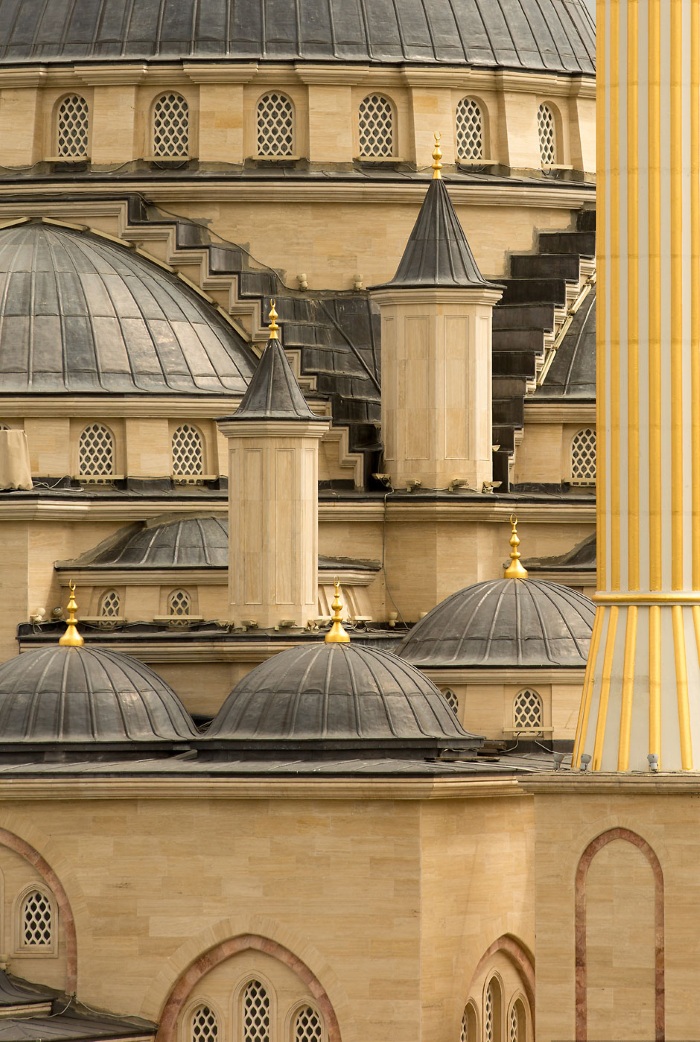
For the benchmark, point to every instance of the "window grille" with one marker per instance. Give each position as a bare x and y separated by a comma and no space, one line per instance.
464,1031
109,605
583,452
452,700
308,1026
275,125
205,1027
188,456
256,1013
489,1014
548,136
513,1026
96,452
171,127
179,603
470,130
73,125
376,126
37,921
527,711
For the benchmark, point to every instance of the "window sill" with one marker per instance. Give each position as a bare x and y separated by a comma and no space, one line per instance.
67,159
168,159
529,732
386,160
556,166
192,479
476,162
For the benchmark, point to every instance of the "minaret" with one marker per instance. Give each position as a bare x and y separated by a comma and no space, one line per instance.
273,496
641,702
436,354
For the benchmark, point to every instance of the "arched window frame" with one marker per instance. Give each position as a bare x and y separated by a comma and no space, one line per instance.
452,699
519,1007
528,728
495,983
96,476
292,1019
186,476
577,468
60,150
391,107
21,948
186,1031
183,137
178,593
288,150
106,596
239,1005
556,157
470,1012
485,130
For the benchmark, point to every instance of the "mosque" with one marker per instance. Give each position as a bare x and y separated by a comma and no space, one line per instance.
335,704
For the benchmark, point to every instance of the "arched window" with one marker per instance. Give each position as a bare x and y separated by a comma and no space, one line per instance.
376,126
527,711
470,130
256,1013
96,452
275,122
204,1025
36,926
517,1023
72,125
179,603
583,452
546,126
171,127
188,453
109,605
492,1012
469,1029
308,1026
451,699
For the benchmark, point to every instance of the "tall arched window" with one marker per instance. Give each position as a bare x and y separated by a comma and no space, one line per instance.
492,1012
204,1026
469,1028
547,128
376,127
527,711
583,457
517,1022
308,1026
256,1013
72,126
188,453
36,920
470,130
171,126
96,452
110,604
275,124
179,603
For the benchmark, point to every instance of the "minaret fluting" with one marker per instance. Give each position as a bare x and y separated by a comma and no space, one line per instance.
641,701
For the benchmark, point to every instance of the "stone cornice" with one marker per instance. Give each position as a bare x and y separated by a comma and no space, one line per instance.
115,576
114,75
564,411
521,675
146,407
220,73
578,784
436,295
242,429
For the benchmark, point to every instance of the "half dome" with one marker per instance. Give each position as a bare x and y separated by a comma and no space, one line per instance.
87,696
84,315
504,622
339,696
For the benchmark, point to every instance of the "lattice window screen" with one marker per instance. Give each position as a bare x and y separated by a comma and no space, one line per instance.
275,125
470,130
583,453
527,711
96,452
171,127
256,1013
179,603
548,135
73,126
188,455
308,1026
489,1014
376,126
110,604
513,1026
464,1030
452,700
205,1027
37,921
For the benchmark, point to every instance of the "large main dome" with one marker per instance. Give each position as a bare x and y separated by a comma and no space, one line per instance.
539,35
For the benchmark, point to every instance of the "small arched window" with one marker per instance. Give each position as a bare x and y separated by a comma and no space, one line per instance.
376,127
188,452
492,1012
517,1023
275,125
547,129
73,126
308,1026
470,130
171,127
96,452
583,457
451,699
110,605
179,603
527,711
204,1025
468,1031
36,926
256,1013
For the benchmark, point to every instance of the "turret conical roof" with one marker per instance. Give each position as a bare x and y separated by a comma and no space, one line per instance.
273,393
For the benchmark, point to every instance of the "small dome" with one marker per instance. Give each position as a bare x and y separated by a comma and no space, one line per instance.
81,696
504,622
186,542
340,695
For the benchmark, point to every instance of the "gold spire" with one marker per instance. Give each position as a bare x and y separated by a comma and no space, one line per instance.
337,634
515,570
274,328
437,159
71,638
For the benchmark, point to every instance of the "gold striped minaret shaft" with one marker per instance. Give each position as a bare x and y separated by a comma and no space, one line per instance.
641,699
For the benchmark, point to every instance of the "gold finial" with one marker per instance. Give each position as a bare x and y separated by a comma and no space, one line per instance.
274,328
337,634
437,159
71,638
515,570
